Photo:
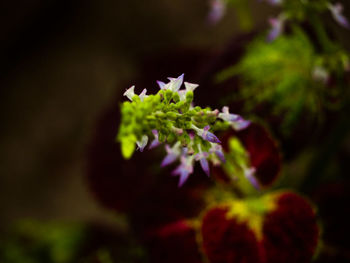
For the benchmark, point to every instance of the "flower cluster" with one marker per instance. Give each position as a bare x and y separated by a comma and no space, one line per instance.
170,117
296,11
292,10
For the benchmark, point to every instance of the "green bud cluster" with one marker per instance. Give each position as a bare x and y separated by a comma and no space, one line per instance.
165,112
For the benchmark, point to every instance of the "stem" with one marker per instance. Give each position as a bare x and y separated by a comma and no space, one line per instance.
326,44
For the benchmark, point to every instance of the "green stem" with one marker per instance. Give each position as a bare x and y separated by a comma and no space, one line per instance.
326,44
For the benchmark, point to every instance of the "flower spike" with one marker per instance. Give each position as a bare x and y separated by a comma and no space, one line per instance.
171,117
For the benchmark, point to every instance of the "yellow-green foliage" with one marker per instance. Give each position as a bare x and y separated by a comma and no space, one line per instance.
280,73
34,242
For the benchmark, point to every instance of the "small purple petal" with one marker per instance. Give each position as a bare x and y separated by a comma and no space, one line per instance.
217,11
249,174
154,144
230,117
227,116
172,154
241,124
143,94
183,170
336,11
178,82
277,27
233,117
175,83
205,134
183,178
161,84
221,156
210,137
170,158
205,166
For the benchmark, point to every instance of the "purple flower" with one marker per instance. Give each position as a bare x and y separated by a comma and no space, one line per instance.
277,27
240,124
205,165
337,10
202,158
175,83
184,169
173,154
130,92
161,84
155,142
221,156
190,86
249,174
210,137
217,149
217,11
237,122
227,116
206,134
143,95
142,144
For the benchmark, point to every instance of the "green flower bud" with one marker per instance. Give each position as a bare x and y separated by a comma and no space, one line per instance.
176,97
189,96
171,115
168,95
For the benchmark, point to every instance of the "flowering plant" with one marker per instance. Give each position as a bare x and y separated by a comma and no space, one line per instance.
171,118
